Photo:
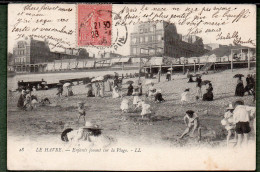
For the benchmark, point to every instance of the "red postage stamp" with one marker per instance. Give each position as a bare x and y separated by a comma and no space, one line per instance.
94,24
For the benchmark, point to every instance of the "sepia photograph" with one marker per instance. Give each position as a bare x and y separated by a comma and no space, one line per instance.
131,87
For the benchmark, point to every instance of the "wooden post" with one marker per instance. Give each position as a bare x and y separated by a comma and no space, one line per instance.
214,66
183,68
232,60
194,67
199,66
159,73
171,70
139,69
248,58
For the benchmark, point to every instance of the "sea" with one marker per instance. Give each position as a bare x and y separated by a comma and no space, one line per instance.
55,77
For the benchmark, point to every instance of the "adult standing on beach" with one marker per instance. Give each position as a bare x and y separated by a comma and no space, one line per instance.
21,99
97,91
130,89
199,80
102,88
140,89
240,90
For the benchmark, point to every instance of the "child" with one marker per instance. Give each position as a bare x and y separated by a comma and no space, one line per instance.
191,120
124,105
228,122
146,111
81,110
185,96
158,96
242,115
136,97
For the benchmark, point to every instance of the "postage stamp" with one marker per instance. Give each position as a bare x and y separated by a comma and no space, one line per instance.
94,24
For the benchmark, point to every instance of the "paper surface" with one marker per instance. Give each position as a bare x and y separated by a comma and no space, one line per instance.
61,42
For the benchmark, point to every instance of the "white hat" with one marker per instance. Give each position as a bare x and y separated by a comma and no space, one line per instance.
224,121
230,106
89,125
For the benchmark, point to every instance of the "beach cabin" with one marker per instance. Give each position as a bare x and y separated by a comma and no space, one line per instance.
203,59
213,58
155,61
224,59
193,60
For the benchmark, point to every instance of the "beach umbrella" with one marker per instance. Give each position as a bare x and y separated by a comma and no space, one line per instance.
88,85
108,76
67,84
129,82
147,82
93,80
205,82
238,76
170,69
99,78
197,75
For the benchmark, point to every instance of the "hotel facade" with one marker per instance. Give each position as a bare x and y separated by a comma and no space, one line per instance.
162,39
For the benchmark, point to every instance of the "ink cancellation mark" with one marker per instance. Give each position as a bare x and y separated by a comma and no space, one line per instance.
94,24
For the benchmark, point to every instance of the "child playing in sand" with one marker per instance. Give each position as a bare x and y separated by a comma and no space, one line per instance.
124,105
228,122
185,96
191,120
81,111
146,111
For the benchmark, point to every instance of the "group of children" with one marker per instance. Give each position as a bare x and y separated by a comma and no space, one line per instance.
237,120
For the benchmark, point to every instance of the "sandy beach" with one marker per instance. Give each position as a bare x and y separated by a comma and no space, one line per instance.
164,128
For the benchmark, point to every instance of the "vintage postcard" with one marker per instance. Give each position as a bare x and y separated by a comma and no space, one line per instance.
131,87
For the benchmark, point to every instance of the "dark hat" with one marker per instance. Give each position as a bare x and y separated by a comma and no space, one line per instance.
190,112
187,89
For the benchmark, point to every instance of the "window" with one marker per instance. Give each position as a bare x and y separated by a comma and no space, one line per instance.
146,39
151,29
143,51
151,51
141,30
134,51
133,40
159,37
159,49
153,38
141,39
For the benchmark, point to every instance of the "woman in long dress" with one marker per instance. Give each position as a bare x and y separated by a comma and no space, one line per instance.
208,96
240,90
102,88
115,93
130,90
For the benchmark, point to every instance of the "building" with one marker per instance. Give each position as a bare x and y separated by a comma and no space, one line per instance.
162,39
30,55
213,46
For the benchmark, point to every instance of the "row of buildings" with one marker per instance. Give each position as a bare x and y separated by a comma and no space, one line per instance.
30,55
149,40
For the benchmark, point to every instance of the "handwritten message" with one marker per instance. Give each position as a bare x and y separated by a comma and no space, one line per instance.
46,21
199,20
57,23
